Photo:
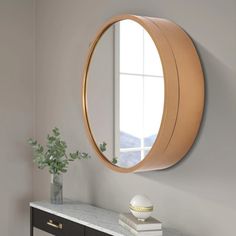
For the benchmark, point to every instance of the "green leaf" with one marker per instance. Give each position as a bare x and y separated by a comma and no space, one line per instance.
56,132
32,142
103,147
114,160
85,155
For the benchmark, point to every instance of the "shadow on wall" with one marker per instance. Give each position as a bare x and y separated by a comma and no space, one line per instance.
208,170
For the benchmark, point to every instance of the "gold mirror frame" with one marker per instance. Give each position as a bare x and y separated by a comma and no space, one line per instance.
184,93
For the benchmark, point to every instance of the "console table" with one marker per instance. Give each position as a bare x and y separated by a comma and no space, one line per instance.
77,219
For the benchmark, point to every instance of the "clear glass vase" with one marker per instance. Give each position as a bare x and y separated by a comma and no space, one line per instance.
56,188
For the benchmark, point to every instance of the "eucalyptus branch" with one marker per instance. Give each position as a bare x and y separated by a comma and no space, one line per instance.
54,156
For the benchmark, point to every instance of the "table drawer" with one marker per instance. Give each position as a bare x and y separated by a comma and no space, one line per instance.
55,225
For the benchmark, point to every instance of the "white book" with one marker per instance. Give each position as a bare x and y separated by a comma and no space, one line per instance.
140,233
149,224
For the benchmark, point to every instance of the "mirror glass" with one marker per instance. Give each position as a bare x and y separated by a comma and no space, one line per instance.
125,93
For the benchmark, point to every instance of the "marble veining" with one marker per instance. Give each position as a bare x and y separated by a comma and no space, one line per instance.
97,218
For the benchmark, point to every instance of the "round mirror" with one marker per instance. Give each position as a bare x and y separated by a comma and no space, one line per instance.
132,94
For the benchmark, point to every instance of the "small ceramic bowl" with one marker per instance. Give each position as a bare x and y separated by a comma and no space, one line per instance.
141,207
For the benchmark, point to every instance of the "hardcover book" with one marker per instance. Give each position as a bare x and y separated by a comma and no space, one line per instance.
149,224
140,233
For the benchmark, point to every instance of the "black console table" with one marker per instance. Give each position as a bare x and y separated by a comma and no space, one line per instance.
76,219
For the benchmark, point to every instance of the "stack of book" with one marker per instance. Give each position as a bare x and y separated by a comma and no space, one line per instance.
149,227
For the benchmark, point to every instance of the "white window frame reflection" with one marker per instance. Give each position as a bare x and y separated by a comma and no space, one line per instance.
117,73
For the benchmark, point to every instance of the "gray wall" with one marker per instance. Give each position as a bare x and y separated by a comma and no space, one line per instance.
17,114
196,197
100,92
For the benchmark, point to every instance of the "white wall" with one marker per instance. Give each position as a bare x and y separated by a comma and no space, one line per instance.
196,197
16,109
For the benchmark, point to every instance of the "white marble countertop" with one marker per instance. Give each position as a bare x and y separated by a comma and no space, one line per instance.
97,218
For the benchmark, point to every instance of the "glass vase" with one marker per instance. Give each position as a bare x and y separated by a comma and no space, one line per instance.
56,188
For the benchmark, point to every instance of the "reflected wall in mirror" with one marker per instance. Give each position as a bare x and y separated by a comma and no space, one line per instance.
141,111
125,93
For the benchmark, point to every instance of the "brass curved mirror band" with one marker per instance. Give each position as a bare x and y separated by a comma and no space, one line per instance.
191,85
184,93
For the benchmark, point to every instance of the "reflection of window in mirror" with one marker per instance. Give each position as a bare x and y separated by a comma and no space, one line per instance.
139,93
